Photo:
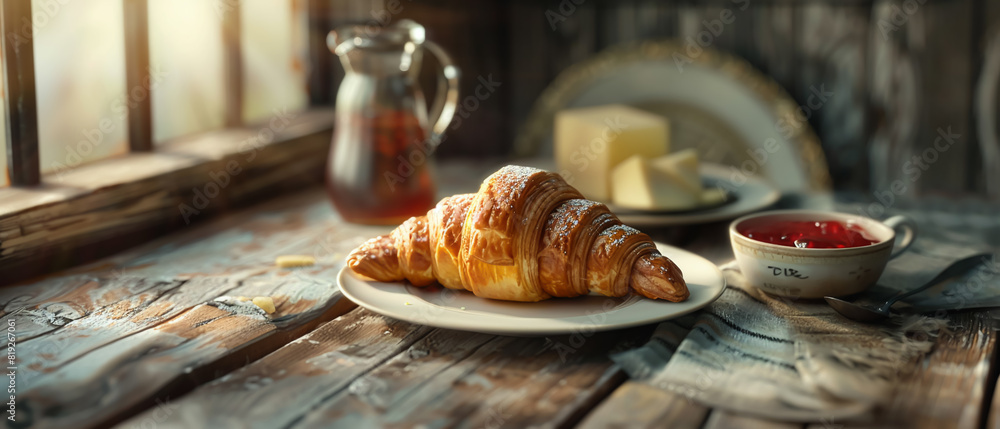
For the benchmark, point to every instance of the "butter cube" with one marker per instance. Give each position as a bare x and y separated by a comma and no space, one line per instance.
681,167
590,142
637,185
713,196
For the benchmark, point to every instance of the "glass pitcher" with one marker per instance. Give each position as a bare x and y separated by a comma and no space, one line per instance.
379,168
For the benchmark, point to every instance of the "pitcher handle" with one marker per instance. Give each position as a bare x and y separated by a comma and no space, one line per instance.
446,100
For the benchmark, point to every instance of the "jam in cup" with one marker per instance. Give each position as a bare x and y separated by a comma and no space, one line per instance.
812,254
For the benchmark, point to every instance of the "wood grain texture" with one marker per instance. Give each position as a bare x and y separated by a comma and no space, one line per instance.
123,334
773,49
321,79
140,114
119,202
987,97
918,55
131,334
831,84
112,382
894,95
232,62
638,405
19,95
950,388
508,382
365,370
945,61
478,128
726,420
306,371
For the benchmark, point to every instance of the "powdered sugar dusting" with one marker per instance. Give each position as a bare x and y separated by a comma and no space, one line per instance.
514,178
567,216
617,234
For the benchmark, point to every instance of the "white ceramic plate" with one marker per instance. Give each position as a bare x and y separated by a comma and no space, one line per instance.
748,197
445,308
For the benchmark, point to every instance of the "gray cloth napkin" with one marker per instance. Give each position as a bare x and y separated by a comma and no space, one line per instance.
800,361
781,359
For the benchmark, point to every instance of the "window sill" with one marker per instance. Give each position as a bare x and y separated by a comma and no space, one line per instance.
100,208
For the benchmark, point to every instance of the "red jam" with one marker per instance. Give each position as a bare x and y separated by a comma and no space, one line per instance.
827,234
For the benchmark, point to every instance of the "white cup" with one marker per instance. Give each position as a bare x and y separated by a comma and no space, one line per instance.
815,273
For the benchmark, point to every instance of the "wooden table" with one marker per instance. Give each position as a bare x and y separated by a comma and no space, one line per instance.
139,339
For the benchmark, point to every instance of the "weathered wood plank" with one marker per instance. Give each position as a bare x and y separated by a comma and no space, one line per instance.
75,339
366,370
111,383
638,405
384,395
831,52
232,62
80,329
320,364
233,246
235,243
23,165
506,382
478,128
921,74
703,25
945,61
120,202
726,420
949,389
986,96
549,38
773,48
64,370
992,413
321,78
140,113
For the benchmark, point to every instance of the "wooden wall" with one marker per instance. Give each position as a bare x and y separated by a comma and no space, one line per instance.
901,72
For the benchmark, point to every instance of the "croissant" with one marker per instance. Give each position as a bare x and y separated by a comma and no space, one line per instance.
526,235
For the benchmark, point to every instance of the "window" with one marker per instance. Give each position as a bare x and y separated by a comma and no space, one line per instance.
186,57
126,118
79,82
274,40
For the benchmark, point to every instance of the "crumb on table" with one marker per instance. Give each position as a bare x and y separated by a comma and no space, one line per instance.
265,303
288,261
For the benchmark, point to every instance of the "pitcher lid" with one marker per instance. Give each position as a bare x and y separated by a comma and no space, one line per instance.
344,39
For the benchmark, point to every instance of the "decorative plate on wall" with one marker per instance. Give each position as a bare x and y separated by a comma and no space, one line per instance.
716,103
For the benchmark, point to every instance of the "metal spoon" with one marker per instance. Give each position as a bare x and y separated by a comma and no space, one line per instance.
869,307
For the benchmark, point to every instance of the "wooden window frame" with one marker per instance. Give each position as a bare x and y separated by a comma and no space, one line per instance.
54,221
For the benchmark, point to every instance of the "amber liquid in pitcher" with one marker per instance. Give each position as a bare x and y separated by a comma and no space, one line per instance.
379,171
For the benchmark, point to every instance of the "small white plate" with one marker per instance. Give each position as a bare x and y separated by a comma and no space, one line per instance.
446,308
749,196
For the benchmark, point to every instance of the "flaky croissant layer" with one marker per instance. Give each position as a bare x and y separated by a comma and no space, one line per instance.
525,236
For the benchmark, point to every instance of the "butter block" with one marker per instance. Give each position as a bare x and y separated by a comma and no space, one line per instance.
590,142
681,167
636,184
713,196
